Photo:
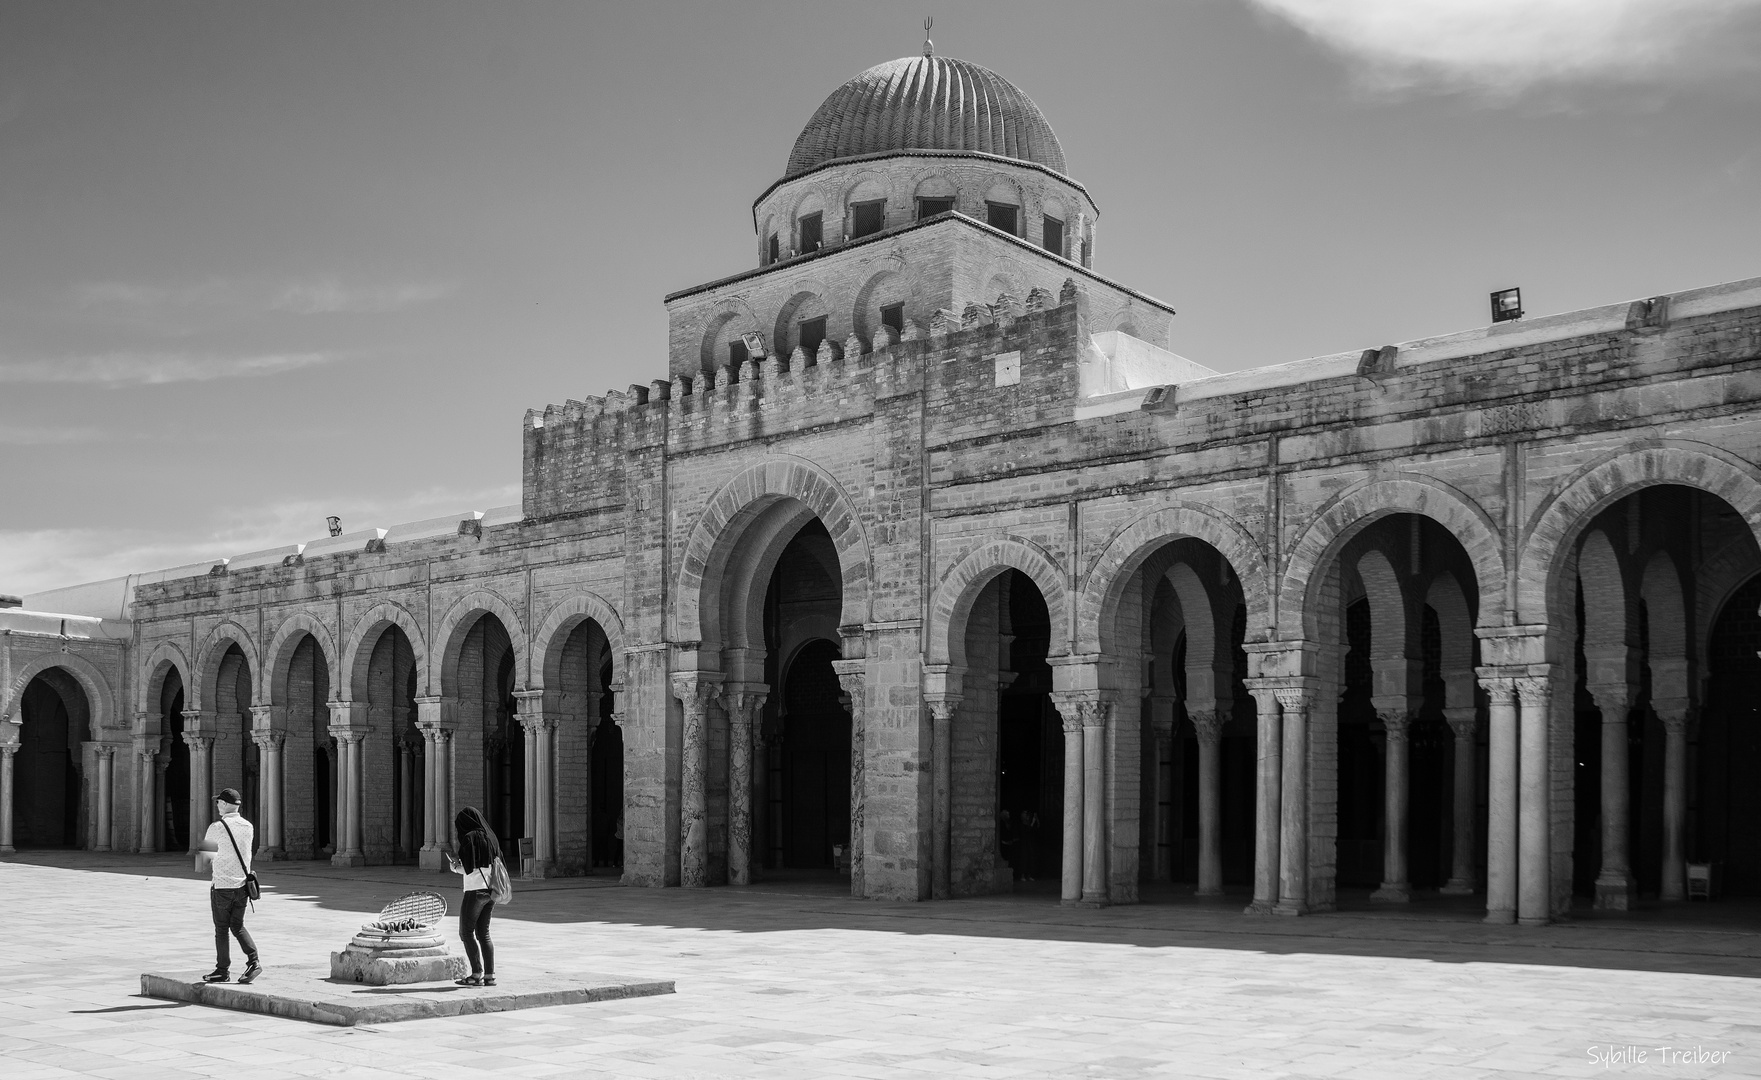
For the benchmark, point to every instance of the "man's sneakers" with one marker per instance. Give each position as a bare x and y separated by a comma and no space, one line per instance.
252,970
217,975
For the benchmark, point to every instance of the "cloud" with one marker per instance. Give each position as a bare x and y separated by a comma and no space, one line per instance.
329,296
1504,47
36,560
157,368
28,435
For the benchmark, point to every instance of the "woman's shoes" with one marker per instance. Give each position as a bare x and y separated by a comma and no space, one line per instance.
469,980
489,980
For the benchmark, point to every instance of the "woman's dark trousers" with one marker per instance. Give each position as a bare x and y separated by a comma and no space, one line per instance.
474,931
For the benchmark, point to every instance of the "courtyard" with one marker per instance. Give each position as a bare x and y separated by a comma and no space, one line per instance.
792,978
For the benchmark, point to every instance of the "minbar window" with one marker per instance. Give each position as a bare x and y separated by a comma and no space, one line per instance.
1001,216
773,248
893,316
1052,236
737,353
810,235
867,218
927,208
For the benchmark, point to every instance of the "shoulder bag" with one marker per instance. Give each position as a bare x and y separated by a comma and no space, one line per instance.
252,889
501,890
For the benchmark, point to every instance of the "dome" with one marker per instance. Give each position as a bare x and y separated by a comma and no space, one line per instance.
926,103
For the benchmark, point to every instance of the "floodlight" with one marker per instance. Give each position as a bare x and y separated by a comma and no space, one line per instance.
1507,304
754,344
335,524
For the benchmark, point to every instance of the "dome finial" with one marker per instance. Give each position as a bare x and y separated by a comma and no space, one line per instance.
929,47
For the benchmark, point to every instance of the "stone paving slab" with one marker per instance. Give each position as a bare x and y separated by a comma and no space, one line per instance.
794,980
307,993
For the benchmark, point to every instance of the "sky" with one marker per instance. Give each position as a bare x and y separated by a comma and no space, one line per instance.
263,263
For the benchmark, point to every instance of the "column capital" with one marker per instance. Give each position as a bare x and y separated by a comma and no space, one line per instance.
1500,688
942,706
197,740
1464,720
1614,700
744,700
269,739
1533,691
1396,723
696,690
1677,720
1294,699
106,751
850,676
263,716
1208,725
8,749
1088,708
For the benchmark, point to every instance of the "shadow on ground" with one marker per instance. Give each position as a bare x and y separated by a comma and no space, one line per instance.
1719,938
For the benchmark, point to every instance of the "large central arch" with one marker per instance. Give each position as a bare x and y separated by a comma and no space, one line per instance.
724,529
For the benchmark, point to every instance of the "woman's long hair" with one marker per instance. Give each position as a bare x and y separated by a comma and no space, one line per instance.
469,820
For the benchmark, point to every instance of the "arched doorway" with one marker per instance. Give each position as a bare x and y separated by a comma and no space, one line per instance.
173,817
308,796
586,752
391,812
1727,822
489,746
805,726
1400,695
48,781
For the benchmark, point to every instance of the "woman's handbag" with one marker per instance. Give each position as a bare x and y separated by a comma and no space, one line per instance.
253,891
501,890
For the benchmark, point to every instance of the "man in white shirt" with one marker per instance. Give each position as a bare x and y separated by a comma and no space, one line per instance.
226,851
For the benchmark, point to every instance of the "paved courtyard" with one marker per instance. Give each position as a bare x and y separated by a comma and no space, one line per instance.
790,979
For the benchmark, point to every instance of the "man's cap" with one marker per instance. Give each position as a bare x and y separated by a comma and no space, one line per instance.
230,795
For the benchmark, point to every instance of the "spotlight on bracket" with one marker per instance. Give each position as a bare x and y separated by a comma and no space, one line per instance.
335,524
1507,304
754,345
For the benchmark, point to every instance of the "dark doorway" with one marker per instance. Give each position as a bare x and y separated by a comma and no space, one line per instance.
608,792
1729,752
176,810
1030,758
45,771
816,760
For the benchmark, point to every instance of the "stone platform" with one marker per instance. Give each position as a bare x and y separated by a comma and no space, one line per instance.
307,993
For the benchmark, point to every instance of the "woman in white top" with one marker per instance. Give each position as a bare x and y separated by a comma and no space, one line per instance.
478,851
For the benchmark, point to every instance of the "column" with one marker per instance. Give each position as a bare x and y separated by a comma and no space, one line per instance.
348,810
406,804
695,691
1534,844
331,755
1268,801
1396,776
161,764
850,677
1071,892
106,758
201,799
743,703
1465,723
6,752
146,772
1675,800
273,842
356,761
430,722
1209,727
1095,714
1501,807
539,808
443,809
1160,827
1293,837
1614,884
941,714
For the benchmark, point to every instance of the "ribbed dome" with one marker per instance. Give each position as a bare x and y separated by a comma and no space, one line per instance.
926,103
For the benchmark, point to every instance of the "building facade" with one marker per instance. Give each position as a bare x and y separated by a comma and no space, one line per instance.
928,560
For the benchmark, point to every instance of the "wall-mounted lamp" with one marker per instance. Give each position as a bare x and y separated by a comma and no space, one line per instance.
335,524
1507,304
754,345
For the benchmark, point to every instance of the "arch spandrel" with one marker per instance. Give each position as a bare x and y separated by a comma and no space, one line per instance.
960,586
457,623
281,650
357,652
91,680
560,621
704,563
209,657
1126,551
1563,516
1348,512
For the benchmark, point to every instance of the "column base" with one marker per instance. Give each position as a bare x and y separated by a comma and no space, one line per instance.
1258,907
1392,893
270,855
101,847
1615,894
1534,920
1458,887
1092,902
1202,891
1500,917
1291,907
431,859
345,859
8,849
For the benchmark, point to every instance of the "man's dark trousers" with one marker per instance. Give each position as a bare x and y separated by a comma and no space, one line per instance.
229,917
